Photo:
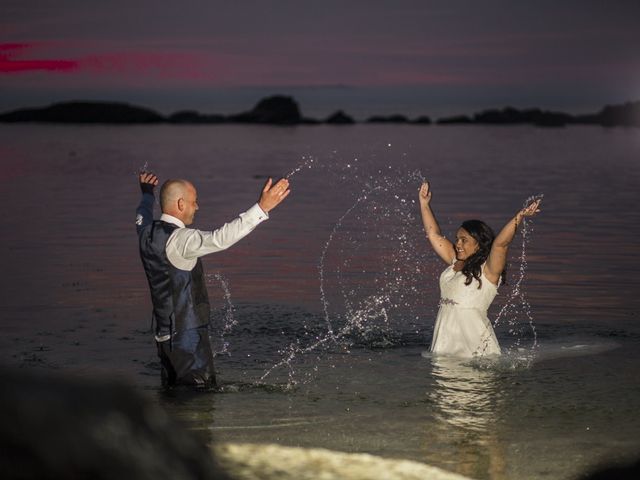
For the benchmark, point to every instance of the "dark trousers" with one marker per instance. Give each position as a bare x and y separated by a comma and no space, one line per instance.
187,359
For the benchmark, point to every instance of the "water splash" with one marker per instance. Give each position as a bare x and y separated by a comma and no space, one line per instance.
337,226
143,168
307,162
331,337
369,310
517,302
229,321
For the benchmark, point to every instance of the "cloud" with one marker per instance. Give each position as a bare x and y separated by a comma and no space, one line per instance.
10,65
16,58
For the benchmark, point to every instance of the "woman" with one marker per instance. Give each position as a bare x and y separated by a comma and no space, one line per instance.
470,283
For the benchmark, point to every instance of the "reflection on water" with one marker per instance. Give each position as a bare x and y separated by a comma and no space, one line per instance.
466,402
464,396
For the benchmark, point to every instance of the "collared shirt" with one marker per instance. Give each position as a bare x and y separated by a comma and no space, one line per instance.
185,245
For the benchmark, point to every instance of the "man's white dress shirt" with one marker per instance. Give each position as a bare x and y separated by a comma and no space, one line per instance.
185,245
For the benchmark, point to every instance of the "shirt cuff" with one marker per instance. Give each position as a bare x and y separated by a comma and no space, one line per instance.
256,214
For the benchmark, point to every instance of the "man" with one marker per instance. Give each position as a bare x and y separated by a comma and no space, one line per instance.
170,254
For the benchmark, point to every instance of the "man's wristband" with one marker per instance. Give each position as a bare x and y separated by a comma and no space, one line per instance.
147,188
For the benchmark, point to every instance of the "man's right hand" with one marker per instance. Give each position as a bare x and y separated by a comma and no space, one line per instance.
148,182
272,195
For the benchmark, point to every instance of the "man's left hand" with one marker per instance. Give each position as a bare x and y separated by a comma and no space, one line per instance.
272,195
148,182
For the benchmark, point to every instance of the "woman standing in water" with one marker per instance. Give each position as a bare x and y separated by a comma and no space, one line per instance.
470,283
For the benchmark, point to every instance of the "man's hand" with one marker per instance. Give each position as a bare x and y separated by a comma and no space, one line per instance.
148,182
272,195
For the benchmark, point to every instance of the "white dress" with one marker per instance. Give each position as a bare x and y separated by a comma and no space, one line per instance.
462,326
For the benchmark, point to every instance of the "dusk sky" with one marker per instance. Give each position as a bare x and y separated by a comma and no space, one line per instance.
367,57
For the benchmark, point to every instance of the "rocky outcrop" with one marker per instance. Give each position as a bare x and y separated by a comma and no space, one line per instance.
388,119
339,118
284,110
458,119
274,462
422,120
190,116
55,426
534,116
626,115
84,112
278,110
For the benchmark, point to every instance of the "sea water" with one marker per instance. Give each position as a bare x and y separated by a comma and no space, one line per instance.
321,316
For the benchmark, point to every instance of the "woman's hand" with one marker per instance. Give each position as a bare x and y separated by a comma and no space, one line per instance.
424,194
498,255
443,247
531,209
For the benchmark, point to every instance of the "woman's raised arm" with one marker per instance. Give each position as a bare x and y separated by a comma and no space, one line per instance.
498,255
443,247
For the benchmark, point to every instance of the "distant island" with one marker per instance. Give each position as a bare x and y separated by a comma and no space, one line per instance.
284,110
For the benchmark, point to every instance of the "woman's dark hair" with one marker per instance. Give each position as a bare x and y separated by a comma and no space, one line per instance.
483,234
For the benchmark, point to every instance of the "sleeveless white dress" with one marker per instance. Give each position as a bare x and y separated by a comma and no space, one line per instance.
462,326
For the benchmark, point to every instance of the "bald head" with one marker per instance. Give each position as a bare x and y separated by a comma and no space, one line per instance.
178,198
171,191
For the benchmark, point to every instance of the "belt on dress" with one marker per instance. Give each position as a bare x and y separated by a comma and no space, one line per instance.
447,301
452,303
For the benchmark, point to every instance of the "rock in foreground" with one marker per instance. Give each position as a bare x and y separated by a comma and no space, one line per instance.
53,426
274,462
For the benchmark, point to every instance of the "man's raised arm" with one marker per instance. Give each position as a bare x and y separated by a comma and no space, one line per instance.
144,212
187,244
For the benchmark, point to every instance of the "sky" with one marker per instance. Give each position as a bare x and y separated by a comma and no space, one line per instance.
366,57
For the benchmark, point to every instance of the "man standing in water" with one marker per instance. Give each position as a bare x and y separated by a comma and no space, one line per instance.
170,254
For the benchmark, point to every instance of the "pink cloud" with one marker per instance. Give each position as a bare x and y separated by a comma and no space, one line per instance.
156,64
164,65
8,64
13,46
